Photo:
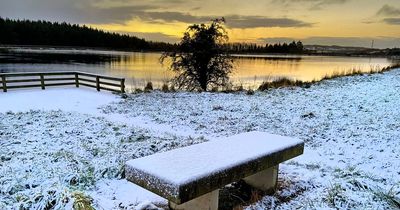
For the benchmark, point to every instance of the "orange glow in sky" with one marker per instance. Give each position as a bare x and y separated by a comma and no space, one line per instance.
328,22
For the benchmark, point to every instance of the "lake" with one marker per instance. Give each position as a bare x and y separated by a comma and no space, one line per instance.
138,67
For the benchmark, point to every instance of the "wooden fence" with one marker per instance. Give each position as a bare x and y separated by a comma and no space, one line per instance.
47,79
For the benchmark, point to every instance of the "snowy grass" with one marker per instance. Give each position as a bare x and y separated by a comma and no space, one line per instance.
74,156
50,159
350,125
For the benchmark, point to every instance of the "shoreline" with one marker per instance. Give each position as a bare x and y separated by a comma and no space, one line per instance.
238,55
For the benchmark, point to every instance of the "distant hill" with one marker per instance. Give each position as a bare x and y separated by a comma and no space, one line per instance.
333,47
350,51
27,32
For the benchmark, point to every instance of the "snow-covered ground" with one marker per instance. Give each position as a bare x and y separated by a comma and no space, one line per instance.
65,147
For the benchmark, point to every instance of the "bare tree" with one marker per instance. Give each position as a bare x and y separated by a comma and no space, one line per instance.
200,60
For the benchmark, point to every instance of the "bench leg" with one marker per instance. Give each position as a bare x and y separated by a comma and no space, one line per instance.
264,180
208,201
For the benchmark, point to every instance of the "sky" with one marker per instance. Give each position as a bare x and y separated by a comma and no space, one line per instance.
325,22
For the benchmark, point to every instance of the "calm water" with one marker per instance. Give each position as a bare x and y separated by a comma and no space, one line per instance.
138,68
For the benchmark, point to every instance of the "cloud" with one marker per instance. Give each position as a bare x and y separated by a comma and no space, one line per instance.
368,21
195,8
147,2
275,40
121,11
174,16
156,36
314,4
169,1
379,42
324,3
75,11
112,14
387,10
391,14
237,21
233,21
392,21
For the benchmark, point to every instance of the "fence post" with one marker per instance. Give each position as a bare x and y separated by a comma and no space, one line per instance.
123,85
76,80
42,81
98,83
3,79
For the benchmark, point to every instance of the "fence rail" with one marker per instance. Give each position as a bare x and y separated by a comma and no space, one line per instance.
47,79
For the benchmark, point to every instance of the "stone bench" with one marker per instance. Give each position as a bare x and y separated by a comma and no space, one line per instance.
190,177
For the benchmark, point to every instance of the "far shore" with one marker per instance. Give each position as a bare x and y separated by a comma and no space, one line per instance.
344,52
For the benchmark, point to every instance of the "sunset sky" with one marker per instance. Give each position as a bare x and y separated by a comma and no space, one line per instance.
327,22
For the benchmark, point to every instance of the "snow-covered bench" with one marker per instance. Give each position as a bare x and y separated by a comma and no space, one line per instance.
190,177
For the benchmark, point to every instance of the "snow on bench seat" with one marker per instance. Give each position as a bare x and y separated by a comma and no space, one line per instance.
186,173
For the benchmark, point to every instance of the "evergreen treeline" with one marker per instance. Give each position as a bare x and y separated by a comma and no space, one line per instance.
293,47
27,32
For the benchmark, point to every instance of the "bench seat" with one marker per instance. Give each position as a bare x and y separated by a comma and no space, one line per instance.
187,173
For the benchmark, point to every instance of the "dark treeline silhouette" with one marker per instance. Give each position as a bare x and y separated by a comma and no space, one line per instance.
27,32
291,48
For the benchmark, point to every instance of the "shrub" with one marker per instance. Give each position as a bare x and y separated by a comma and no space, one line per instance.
148,87
250,92
239,88
280,82
165,88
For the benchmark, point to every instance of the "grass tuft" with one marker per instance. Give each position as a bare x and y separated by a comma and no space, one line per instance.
335,196
390,197
81,201
280,82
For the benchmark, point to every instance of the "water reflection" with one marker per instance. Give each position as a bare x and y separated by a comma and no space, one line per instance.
70,58
138,68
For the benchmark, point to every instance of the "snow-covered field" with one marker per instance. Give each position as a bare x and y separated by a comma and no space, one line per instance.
66,147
